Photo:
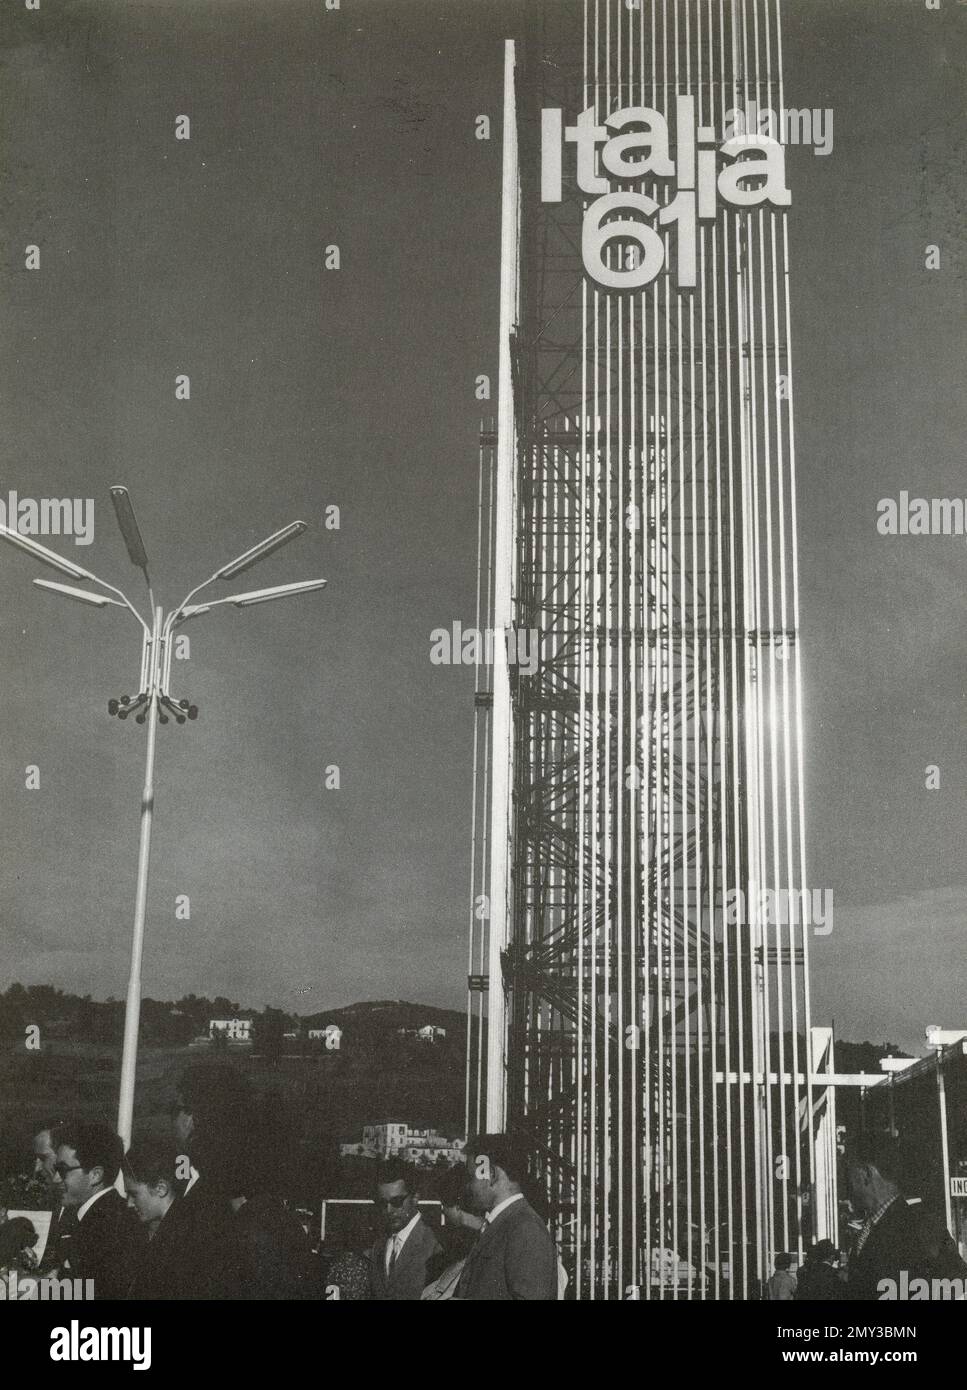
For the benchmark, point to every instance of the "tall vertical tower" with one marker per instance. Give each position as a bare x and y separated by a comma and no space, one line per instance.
638,950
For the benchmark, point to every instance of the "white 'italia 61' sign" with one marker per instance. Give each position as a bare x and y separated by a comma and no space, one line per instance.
633,145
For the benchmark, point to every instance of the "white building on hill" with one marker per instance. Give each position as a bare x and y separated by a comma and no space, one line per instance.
429,1033
237,1030
397,1139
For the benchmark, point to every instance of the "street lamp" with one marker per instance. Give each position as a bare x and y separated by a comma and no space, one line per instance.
259,552
129,527
81,595
303,586
45,556
153,695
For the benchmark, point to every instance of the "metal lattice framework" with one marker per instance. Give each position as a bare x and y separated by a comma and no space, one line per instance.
647,1019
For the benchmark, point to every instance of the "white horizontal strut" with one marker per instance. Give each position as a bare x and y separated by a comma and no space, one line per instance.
818,1079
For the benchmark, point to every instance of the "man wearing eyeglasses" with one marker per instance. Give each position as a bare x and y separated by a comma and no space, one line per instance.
398,1261
107,1236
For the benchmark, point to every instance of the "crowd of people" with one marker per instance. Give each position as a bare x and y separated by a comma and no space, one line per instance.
194,1216
894,1241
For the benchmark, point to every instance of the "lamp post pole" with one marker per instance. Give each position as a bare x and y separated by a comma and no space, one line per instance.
153,704
132,1011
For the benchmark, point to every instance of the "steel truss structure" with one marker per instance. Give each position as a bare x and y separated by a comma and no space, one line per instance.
643,1009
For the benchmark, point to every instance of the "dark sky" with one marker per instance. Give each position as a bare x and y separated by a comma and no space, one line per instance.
355,387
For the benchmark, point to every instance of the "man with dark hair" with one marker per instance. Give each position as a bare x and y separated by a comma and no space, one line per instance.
398,1261
63,1219
782,1286
190,1251
215,1105
451,1189
895,1238
272,1239
818,1280
45,1155
105,1238
514,1257
211,1094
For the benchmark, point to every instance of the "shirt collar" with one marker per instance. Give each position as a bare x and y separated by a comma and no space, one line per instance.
85,1206
401,1236
501,1206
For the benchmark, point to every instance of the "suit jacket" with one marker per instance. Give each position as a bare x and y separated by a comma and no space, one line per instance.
408,1277
514,1258
194,1253
782,1287
818,1282
905,1238
104,1245
275,1249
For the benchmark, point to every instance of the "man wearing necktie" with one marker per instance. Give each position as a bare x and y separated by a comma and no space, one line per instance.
398,1262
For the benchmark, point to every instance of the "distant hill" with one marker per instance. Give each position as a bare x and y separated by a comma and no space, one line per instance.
71,1018
387,1015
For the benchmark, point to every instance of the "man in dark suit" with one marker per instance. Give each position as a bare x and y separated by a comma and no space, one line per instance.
214,1113
105,1236
818,1280
192,1251
63,1219
898,1242
398,1262
273,1241
514,1257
